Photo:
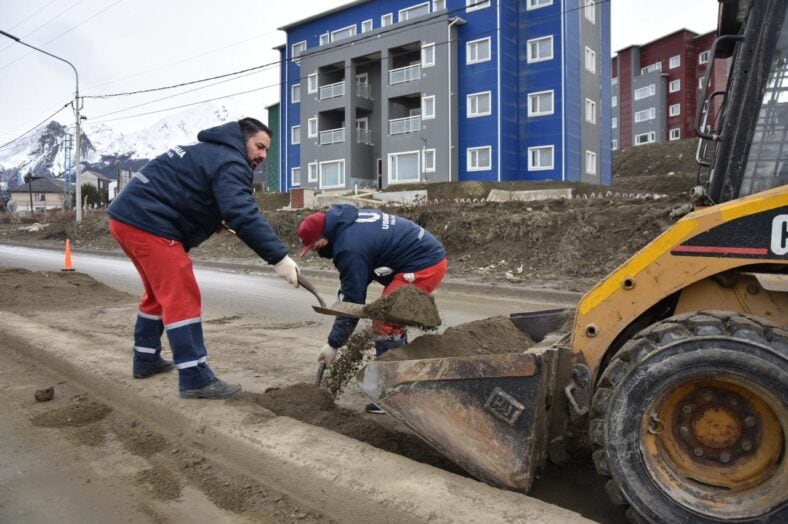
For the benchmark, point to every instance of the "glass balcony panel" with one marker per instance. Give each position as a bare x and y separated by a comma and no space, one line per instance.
404,74
332,90
332,136
409,124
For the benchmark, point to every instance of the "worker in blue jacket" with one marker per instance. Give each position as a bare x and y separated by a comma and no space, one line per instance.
369,245
171,205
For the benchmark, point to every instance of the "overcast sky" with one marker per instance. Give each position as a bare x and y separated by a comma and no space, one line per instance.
127,45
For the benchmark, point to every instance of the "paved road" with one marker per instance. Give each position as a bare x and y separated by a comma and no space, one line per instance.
255,294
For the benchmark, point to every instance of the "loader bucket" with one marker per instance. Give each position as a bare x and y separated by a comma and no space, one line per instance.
488,413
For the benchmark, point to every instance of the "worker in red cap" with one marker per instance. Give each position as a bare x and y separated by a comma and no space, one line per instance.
367,245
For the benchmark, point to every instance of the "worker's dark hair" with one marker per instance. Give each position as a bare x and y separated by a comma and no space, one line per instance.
252,126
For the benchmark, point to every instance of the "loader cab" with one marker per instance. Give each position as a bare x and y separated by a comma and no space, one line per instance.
744,130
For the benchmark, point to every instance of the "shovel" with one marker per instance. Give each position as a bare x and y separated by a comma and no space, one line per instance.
306,284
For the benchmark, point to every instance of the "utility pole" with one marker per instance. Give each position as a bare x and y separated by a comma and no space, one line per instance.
77,108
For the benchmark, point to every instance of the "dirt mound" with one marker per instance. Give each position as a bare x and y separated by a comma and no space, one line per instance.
480,337
407,306
54,291
313,405
73,415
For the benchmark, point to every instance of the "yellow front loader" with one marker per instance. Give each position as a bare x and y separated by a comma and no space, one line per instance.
675,374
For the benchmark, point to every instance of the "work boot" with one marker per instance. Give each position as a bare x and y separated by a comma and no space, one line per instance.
374,409
144,369
216,389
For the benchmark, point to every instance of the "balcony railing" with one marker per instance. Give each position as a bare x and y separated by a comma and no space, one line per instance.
332,136
364,136
404,74
364,90
409,124
332,90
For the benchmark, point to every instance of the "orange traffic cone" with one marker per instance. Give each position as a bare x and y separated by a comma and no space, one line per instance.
67,265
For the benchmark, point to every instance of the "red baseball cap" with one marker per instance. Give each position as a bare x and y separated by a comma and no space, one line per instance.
311,230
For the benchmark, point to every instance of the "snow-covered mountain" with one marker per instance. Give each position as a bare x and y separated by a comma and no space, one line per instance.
104,148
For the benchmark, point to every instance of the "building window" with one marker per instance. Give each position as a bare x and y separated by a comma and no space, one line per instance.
479,158
295,176
404,167
311,172
366,26
438,5
428,55
325,38
590,60
536,4
414,11
675,110
295,135
295,93
311,83
656,66
704,57
332,174
675,61
297,50
540,158
474,5
614,81
540,49
674,86
645,92
645,115
541,103
645,138
675,133
477,51
479,104
590,10
342,34
614,123
590,163
386,20
614,101
590,111
428,107
700,83
429,161
614,144
311,127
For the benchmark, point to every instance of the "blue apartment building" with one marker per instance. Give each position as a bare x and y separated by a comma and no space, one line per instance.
377,93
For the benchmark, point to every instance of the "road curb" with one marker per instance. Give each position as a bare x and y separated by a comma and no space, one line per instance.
340,477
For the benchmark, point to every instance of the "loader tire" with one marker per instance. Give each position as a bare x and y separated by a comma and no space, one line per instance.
690,419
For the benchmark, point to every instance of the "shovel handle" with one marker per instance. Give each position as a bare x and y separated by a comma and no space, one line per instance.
306,284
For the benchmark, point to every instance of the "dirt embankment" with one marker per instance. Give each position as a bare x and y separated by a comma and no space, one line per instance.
574,242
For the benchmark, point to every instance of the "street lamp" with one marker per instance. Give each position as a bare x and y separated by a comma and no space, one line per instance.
76,113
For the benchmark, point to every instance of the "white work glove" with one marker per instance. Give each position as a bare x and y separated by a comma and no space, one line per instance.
288,269
327,355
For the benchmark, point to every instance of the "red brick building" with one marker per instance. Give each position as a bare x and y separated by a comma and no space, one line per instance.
655,87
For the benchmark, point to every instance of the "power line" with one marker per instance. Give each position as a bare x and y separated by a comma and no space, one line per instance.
182,84
56,17
91,17
32,15
35,126
170,64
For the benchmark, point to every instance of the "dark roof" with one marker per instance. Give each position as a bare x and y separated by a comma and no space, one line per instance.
40,185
